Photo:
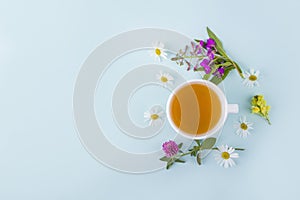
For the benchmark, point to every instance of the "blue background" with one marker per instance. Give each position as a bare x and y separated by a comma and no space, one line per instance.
44,43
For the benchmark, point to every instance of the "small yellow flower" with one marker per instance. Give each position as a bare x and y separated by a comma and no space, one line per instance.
265,110
259,106
254,101
255,109
261,102
259,97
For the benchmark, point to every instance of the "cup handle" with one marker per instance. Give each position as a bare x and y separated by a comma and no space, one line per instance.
233,108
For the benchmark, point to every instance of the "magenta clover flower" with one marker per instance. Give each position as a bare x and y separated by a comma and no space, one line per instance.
170,148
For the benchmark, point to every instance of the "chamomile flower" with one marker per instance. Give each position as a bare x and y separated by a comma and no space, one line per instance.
155,116
225,156
165,78
243,127
251,78
158,51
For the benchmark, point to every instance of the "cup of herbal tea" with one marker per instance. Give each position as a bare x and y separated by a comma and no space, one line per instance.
198,109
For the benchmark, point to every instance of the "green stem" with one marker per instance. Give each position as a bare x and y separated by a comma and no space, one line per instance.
200,57
268,119
184,154
219,56
238,149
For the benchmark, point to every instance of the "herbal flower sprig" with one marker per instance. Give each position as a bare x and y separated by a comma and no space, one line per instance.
173,152
260,107
208,56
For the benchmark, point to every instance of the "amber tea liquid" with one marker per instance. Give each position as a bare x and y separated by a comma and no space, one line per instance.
195,109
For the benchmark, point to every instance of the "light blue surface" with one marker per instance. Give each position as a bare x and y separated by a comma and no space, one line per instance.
42,46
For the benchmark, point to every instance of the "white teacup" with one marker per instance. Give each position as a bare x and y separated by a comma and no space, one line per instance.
225,109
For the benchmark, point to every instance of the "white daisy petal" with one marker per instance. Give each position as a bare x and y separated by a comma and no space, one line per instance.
221,148
234,155
150,123
230,150
226,163
231,163
222,163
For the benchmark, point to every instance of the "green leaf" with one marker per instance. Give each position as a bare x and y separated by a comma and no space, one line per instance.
180,161
180,145
196,40
200,69
193,153
208,143
216,80
226,64
169,164
198,142
199,159
206,76
221,51
213,36
166,159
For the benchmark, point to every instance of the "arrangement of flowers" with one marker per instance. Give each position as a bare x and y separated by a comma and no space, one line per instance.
210,59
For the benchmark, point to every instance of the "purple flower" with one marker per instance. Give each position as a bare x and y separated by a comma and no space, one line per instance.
210,54
210,43
170,148
198,49
202,43
205,64
220,72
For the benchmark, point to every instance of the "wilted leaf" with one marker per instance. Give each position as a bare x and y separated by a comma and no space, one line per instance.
199,159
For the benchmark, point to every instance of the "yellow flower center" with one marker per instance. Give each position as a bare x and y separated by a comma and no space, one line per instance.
157,51
225,155
154,116
164,79
252,78
244,126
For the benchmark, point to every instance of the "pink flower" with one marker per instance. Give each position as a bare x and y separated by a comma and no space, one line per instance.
170,148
